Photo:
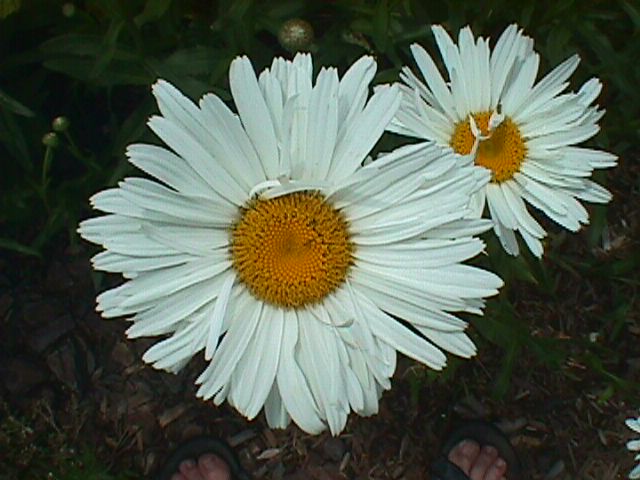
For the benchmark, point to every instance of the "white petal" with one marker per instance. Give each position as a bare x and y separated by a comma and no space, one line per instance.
433,78
524,220
229,352
519,89
354,88
561,139
592,192
174,308
533,243
218,315
499,208
185,343
364,132
402,339
550,86
171,169
193,152
254,114
274,411
319,361
109,261
507,238
633,424
152,286
231,145
457,343
292,385
428,253
322,127
595,158
255,371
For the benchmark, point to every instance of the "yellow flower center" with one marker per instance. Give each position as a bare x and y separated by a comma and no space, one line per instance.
502,153
291,251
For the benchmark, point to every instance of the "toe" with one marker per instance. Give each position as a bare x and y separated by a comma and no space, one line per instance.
497,470
190,470
464,455
213,468
487,457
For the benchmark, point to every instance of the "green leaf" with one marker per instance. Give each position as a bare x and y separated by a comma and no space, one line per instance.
172,71
419,33
526,13
239,8
75,55
617,319
633,12
381,25
14,106
133,127
153,10
7,7
521,270
597,225
12,136
557,46
502,383
54,224
196,60
109,48
118,73
73,44
9,244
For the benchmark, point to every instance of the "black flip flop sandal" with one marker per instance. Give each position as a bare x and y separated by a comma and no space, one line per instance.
195,448
483,433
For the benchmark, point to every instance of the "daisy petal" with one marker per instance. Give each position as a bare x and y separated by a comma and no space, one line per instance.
254,114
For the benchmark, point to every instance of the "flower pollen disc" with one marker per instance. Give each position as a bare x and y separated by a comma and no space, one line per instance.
291,251
502,152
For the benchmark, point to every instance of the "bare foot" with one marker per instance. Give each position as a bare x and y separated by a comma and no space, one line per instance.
478,463
208,467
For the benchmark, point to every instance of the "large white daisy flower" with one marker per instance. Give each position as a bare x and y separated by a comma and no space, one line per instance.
634,446
272,249
523,132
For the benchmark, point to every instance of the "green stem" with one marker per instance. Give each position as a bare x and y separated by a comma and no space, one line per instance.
88,161
44,181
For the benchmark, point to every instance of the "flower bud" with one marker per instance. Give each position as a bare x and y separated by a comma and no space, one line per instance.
68,9
295,34
50,140
60,124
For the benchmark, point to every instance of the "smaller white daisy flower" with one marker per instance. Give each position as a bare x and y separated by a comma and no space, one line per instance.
634,445
523,132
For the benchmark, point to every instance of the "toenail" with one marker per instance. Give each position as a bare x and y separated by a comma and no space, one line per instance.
489,450
209,461
468,447
500,463
188,464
